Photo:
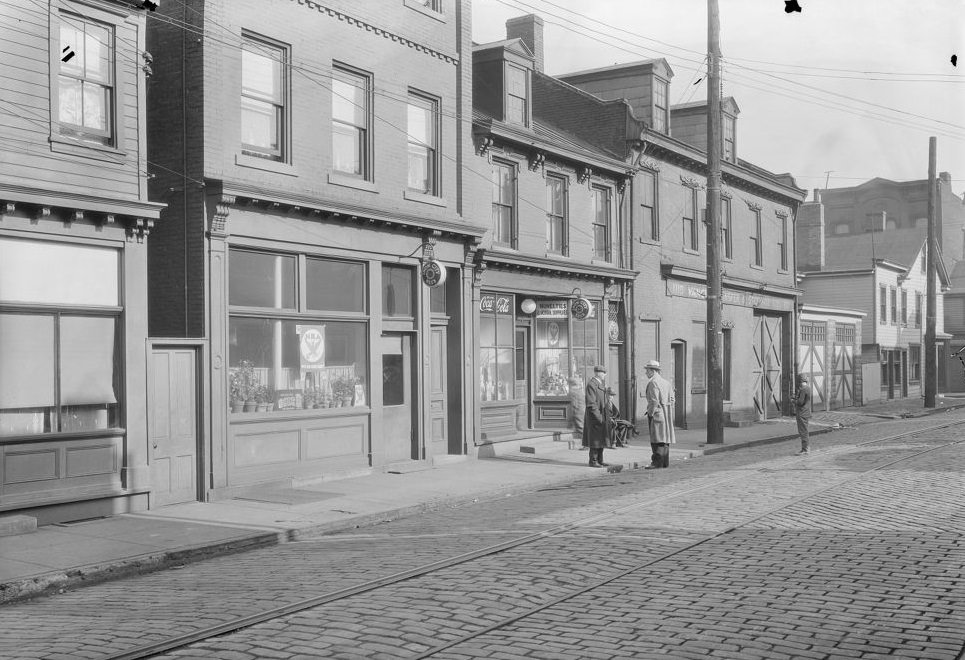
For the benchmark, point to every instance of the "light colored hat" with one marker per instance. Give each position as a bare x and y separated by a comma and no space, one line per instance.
598,369
652,364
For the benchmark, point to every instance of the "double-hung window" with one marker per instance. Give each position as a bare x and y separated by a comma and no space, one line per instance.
691,232
263,99
351,122
660,114
85,80
556,224
60,338
756,240
904,307
650,229
423,138
918,299
726,229
601,223
504,204
517,97
894,306
729,126
882,304
782,241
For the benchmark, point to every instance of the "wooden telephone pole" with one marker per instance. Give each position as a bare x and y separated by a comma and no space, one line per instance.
931,267
715,377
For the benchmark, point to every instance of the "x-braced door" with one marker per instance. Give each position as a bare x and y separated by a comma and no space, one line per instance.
812,360
768,365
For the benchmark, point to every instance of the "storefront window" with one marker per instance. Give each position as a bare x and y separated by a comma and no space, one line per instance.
59,371
497,348
279,364
552,348
257,279
397,291
586,344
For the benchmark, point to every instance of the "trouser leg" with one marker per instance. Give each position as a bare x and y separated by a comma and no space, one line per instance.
804,433
663,455
654,454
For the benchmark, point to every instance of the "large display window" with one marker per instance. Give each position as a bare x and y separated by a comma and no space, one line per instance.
312,355
59,342
497,348
565,347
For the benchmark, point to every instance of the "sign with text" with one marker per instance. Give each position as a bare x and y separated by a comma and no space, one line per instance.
729,297
433,273
496,304
311,345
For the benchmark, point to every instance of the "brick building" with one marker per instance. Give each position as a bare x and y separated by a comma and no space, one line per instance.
74,218
330,140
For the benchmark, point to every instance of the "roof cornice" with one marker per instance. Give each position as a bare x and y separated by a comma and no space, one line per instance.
531,263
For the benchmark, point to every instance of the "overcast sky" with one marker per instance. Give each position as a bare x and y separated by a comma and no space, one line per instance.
784,71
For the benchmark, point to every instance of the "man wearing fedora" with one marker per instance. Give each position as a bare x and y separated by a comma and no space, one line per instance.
596,422
660,403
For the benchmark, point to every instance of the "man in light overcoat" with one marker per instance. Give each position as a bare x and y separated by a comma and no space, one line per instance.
660,405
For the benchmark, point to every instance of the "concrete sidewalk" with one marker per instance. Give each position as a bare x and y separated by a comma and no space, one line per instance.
62,556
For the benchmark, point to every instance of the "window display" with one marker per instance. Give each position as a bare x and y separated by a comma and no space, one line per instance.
552,348
497,348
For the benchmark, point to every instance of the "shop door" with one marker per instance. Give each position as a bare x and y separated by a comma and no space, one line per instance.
678,353
398,406
523,419
438,388
768,365
173,425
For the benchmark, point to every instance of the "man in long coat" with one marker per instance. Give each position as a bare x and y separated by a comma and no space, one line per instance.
596,425
660,404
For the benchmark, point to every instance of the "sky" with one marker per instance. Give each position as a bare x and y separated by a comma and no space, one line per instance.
841,92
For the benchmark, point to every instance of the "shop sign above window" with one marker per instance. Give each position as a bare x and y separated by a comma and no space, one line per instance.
498,304
551,309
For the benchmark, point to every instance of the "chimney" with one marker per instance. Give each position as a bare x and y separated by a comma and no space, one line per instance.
817,195
529,29
809,235
945,178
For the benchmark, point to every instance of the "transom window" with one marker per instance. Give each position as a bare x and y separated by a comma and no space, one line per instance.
556,223
351,91
85,80
263,98
601,223
423,119
504,203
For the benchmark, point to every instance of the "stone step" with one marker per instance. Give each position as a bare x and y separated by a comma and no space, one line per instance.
16,525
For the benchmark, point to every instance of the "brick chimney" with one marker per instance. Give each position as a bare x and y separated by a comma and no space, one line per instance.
529,29
809,235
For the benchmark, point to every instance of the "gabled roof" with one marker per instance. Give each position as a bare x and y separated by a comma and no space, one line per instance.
900,246
516,45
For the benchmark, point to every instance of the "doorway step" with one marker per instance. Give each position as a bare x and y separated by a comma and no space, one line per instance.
739,419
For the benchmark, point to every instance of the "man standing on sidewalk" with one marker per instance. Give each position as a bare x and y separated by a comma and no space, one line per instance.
802,411
660,402
596,425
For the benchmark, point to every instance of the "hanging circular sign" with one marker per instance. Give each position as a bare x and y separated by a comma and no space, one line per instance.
433,273
580,308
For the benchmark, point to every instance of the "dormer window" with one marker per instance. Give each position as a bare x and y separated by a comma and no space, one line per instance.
517,95
661,118
730,153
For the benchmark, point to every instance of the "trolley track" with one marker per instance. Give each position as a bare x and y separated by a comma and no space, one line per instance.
237,624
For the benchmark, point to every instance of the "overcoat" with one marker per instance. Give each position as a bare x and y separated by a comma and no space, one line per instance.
660,404
596,423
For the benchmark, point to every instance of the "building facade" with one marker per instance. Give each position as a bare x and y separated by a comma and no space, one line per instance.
325,264
667,247
74,219
552,278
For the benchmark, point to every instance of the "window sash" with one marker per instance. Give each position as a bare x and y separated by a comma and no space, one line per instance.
422,138
85,81
726,228
883,304
263,99
691,235
648,205
504,198
516,95
601,223
756,240
556,214
782,244
350,122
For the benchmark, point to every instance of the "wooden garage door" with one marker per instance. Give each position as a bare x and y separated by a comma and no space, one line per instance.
768,366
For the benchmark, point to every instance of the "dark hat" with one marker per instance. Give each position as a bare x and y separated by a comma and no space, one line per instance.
598,369
610,392
801,378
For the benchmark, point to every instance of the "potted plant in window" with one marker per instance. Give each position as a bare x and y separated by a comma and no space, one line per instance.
264,395
249,383
237,391
344,389
308,399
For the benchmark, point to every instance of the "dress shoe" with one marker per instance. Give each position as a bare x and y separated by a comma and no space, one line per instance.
604,464
651,467
594,464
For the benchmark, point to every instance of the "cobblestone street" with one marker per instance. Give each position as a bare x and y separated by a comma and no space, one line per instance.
750,554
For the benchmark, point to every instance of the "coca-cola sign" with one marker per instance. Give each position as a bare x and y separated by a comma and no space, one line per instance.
496,304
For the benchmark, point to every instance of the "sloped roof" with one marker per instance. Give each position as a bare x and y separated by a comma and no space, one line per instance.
516,45
899,246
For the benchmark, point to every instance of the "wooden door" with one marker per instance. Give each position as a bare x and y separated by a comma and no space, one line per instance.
438,391
173,425
398,405
812,361
768,365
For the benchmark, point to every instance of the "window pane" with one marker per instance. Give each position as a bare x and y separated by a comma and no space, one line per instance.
393,380
349,98
437,299
648,182
71,41
505,331
396,291
599,242
295,364
97,53
71,101
552,371
506,373
27,375
261,280
96,106
487,330
42,272
487,374
552,333
346,149
87,359
335,286
259,124
420,122
516,110
419,178
261,72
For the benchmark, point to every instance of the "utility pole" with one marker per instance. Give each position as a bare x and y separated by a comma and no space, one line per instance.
715,377
931,267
